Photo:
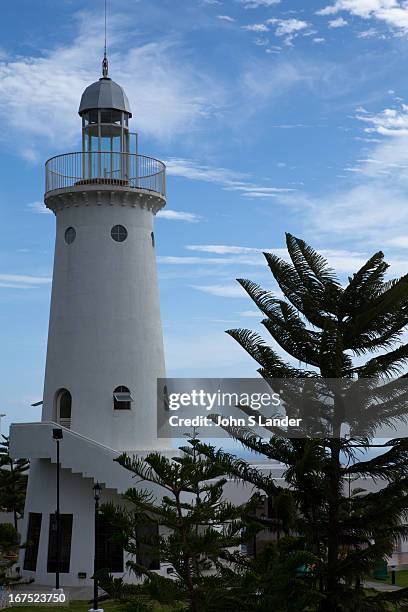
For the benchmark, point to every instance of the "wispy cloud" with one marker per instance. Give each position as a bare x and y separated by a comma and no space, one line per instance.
373,208
288,28
39,208
184,359
389,122
179,215
209,261
191,169
226,249
266,83
251,314
256,27
172,100
369,33
253,4
343,260
222,249
226,18
228,291
391,12
337,23
22,281
229,180
399,241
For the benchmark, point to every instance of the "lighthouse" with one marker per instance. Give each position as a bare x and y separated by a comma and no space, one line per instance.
105,343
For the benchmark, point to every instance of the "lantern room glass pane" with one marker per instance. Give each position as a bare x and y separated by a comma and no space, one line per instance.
93,116
117,117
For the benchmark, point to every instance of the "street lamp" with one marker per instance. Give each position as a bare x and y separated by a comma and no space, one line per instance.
97,495
57,435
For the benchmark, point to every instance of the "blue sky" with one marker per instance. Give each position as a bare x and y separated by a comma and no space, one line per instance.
271,115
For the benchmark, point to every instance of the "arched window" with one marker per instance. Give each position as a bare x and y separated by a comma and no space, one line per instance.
122,399
64,406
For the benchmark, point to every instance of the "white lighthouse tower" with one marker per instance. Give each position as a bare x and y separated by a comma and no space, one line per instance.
105,344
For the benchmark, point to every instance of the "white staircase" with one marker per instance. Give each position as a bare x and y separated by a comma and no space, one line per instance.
79,454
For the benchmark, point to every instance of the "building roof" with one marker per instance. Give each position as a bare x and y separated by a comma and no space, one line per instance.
104,93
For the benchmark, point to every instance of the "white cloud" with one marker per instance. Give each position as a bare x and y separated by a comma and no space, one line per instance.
319,40
172,100
288,28
227,179
39,207
21,281
253,314
212,261
266,82
337,23
191,169
392,12
389,122
229,291
370,33
374,208
222,249
226,18
342,260
251,190
399,241
256,27
178,215
184,359
362,8
252,4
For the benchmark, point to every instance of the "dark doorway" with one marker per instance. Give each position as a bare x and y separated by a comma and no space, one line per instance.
65,548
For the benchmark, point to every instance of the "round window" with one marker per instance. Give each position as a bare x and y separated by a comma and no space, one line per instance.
69,235
119,233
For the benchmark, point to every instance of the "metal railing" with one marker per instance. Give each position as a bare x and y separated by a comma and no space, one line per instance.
105,168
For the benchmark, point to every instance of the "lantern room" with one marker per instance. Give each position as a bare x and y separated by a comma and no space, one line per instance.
106,139
105,113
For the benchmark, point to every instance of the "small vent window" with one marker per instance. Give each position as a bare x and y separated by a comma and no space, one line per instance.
122,399
152,237
70,235
119,233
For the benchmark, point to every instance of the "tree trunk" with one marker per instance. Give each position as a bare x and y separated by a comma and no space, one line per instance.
331,603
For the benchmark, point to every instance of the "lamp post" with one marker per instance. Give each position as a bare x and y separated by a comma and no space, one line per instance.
97,495
57,435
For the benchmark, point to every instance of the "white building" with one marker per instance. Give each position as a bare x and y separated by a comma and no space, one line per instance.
105,345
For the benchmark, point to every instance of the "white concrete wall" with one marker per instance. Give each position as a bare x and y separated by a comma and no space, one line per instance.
105,328
77,499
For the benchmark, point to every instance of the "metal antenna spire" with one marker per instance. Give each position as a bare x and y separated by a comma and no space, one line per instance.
105,65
